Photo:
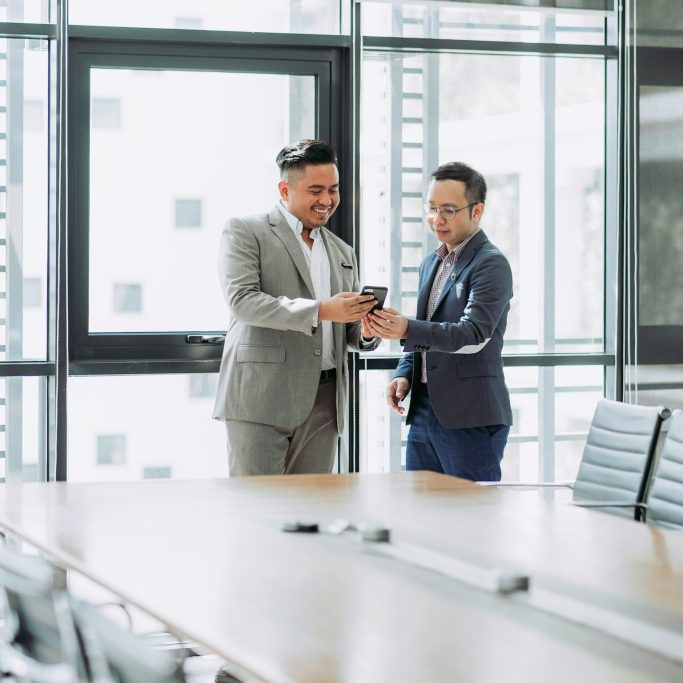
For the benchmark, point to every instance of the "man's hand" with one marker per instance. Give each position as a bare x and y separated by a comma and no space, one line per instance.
346,307
388,323
396,391
366,332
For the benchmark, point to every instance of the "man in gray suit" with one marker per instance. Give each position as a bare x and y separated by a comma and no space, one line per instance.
291,287
460,412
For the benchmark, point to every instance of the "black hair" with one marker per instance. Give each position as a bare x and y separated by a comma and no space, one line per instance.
475,185
304,153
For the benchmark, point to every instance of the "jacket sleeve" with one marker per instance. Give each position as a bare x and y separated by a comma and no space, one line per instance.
405,367
489,296
239,270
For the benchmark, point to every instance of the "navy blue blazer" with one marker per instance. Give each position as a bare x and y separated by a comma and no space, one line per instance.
464,338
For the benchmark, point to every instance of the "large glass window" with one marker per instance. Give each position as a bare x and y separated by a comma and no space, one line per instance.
552,409
171,132
23,199
34,11
143,427
23,436
534,126
180,134
470,22
162,166
169,142
278,16
24,296
435,88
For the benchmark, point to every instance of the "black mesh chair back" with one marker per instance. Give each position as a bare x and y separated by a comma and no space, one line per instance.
39,642
619,454
665,503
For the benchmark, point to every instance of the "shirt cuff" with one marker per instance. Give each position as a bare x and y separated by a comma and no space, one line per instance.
364,344
315,322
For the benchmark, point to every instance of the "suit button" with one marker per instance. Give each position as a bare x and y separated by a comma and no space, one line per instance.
317,352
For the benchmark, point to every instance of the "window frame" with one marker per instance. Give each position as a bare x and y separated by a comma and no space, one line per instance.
134,352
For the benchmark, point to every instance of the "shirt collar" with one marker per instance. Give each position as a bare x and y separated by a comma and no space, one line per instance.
294,223
442,251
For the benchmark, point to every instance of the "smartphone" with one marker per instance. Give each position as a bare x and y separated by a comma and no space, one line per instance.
380,293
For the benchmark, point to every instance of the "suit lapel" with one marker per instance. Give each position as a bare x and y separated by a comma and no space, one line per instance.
335,260
286,235
463,261
426,287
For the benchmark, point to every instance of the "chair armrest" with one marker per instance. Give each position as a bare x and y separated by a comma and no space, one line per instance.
640,508
606,504
119,605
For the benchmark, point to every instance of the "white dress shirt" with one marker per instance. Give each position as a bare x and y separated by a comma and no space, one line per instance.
319,268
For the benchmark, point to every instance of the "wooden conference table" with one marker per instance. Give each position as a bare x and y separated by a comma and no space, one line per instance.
209,559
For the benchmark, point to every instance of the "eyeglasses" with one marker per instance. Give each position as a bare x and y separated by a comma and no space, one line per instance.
446,212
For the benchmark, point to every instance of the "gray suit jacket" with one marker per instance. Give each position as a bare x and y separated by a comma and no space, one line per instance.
272,356
464,338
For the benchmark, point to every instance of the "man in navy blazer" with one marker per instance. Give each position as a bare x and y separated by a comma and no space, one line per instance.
460,412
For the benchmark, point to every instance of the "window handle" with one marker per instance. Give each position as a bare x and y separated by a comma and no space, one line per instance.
205,338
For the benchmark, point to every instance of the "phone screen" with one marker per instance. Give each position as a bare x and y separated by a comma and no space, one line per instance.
380,293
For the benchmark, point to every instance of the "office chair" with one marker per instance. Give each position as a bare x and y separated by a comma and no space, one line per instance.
117,655
38,641
617,459
665,503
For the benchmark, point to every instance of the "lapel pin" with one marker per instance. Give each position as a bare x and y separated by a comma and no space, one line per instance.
453,277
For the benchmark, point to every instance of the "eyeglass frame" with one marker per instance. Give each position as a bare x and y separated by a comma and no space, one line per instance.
433,211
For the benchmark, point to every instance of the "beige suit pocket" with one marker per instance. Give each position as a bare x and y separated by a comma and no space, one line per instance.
253,353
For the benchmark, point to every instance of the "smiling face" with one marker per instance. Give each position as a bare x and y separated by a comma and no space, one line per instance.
311,194
452,232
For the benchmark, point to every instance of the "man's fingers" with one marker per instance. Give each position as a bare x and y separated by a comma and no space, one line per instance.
383,329
360,300
358,303
381,316
381,322
394,406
